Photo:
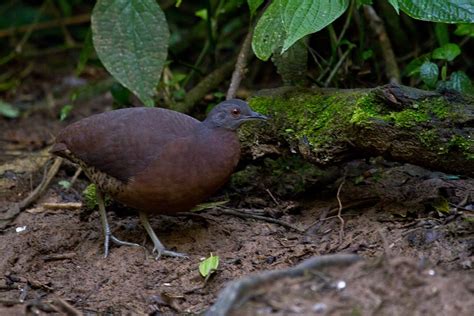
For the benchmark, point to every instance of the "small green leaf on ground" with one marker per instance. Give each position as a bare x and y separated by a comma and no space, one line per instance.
65,184
429,73
8,110
447,52
209,265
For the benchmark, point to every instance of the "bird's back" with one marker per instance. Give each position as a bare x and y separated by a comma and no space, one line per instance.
122,143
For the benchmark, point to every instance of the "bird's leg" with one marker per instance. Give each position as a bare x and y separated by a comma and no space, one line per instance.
105,225
158,245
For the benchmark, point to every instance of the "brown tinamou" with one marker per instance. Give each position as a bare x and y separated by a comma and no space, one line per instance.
155,160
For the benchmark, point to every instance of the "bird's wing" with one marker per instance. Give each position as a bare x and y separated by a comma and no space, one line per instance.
124,142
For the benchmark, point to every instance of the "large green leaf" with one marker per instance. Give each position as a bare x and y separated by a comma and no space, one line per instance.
269,33
303,17
131,39
448,11
286,21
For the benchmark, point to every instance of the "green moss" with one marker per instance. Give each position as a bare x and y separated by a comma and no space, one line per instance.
428,137
409,117
89,196
316,123
366,109
460,143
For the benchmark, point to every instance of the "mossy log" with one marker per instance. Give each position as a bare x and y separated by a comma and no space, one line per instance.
330,126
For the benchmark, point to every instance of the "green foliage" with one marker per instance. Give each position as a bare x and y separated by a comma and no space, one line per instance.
89,196
464,30
447,52
209,266
131,40
429,73
286,21
65,110
7,110
86,52
254,5
292,64
395,5
447,11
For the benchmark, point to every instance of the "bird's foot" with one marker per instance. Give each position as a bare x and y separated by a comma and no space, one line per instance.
161,251
109,237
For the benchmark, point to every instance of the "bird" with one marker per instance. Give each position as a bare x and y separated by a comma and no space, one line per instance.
155,160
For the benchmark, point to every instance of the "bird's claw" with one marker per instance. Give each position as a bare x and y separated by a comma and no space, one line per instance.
163,252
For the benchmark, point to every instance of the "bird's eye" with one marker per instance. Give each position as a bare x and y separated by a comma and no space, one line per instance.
235,112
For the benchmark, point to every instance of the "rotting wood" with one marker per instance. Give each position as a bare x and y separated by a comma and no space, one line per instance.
332,126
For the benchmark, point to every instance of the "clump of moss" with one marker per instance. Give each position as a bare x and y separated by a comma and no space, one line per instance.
89,196
409,117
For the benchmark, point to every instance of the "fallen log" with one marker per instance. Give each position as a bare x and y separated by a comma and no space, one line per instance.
330,126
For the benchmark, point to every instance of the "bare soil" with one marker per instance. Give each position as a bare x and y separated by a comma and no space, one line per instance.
413,227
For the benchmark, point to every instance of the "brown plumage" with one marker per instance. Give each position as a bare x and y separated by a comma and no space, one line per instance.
156,160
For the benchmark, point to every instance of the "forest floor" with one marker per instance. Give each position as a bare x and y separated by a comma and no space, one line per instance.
412,227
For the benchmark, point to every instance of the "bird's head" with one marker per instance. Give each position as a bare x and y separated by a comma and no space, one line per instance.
230,114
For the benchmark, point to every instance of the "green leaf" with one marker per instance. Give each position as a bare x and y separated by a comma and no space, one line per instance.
464,30
85,54
444,72
367,54
442,35
202,14
8,110
360,3
254,5
429,73
65,184
286,21
303,17
395,5
459,81
448,11
65,110
447,52
269,33
413,66
209,265
131,40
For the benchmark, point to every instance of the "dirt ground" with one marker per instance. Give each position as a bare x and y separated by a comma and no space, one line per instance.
412,227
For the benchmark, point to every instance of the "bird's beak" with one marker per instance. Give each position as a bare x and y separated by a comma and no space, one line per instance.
257,116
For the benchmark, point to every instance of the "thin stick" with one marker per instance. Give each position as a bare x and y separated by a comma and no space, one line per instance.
78,19
341,226
377,26
228,211
237,292
240,66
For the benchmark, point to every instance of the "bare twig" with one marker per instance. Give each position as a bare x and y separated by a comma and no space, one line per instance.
33,196
378,27
240,65
341,227
237,292
58,206
228,211
78,19
207,84
65,308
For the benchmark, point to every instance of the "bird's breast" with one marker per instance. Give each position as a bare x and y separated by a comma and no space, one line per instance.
187,171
